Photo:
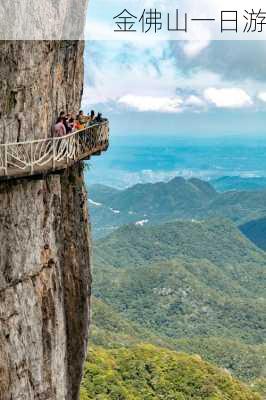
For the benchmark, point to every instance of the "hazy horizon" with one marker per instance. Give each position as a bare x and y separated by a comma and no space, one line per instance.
133,160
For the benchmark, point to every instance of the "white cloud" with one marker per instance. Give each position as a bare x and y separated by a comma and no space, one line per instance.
192,48
118,69
149,78
132,75
92,96
194,101
152,103
227,97
262,96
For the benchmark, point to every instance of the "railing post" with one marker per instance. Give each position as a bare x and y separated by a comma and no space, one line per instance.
31,158
68,147
54,153
79,139
5,132
5,159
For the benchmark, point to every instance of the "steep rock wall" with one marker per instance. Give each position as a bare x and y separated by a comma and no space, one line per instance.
44,234
37,81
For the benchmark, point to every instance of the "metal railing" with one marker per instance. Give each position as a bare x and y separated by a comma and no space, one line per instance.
45,155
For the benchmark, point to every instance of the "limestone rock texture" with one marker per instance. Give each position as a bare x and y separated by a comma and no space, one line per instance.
44,232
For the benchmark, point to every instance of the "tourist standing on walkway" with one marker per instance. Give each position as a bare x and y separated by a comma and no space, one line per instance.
59,128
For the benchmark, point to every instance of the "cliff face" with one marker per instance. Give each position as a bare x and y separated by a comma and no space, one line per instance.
44,236
37,81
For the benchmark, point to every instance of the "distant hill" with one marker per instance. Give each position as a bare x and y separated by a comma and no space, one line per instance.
256,232
181,275
189,285
216,240
159,197
102,193
147,203
239,206
148,372
227,183
163,202
112,330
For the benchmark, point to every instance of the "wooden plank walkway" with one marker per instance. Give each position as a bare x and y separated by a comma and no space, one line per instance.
40,157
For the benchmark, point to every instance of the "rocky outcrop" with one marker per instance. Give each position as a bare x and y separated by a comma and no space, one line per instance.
44,234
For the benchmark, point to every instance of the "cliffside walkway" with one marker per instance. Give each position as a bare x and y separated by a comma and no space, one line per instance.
37,157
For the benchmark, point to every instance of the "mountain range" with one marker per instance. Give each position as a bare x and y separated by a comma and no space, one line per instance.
179,267
177,199
226,183
191,286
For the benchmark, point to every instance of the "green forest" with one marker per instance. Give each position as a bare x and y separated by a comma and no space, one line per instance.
145,372
179,306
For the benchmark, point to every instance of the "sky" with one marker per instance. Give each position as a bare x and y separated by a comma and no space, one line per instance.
195,88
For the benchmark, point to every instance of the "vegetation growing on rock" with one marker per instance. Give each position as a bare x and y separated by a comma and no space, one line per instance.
145,372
